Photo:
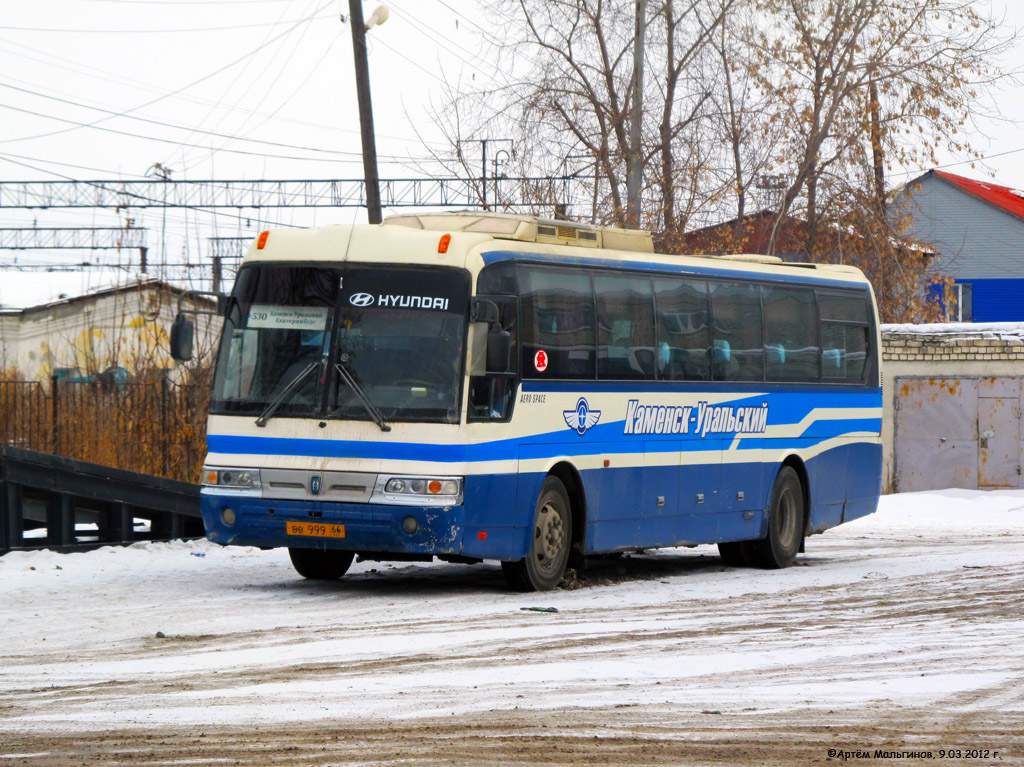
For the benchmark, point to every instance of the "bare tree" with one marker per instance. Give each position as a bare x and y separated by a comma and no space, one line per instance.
821,97
924,60
570,90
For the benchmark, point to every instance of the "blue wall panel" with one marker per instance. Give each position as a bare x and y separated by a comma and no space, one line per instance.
997,300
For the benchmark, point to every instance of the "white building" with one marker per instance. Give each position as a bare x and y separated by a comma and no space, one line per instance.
118,331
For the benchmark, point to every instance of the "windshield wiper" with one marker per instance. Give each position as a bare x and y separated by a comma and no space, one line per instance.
374,412
285,393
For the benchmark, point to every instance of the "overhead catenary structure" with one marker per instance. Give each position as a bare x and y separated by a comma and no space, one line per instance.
267,193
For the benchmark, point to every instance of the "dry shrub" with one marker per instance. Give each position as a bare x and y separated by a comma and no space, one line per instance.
147,423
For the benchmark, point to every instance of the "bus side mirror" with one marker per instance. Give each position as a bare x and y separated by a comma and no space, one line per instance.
499,351
181,338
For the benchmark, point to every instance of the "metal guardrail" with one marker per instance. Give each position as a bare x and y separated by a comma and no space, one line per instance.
83,505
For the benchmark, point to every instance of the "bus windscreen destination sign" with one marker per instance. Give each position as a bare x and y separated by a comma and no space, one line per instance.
290,317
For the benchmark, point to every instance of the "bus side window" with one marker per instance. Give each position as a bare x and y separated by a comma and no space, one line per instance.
791,334
736,314
558,324
845,329
625,327
684,339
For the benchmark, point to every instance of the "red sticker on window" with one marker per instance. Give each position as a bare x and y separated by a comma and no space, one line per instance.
540,360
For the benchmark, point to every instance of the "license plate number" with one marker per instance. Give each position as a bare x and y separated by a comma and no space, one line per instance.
315,529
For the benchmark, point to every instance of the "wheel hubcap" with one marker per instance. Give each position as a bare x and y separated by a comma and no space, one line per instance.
549,536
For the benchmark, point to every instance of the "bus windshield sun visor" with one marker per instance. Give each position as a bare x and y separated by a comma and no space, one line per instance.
286,392
357,389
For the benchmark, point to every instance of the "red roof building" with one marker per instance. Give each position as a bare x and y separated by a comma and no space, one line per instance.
1009,199
976,230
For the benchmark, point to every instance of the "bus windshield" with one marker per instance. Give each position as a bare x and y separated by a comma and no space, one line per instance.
379,338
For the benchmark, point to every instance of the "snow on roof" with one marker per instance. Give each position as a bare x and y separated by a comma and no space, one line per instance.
1009,199
988,330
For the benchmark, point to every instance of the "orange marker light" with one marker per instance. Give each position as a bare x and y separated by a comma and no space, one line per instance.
262,241
442,244
434,486
211,478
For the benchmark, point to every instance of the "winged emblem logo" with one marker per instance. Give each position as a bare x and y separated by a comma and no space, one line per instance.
582,418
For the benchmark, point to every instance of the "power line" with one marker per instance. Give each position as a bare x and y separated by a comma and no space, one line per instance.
189,2
120,79
162,31
173,126
216,72
63,164
958,162
161,140
241,97
419,25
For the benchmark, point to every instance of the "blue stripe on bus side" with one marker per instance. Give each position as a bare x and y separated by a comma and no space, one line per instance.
494,256
786,408
541,446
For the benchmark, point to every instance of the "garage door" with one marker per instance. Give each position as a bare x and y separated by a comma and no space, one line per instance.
957,432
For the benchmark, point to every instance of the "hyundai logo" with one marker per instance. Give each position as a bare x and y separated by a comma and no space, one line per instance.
360,299
314,485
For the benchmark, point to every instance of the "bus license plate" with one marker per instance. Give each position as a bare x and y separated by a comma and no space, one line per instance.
315,529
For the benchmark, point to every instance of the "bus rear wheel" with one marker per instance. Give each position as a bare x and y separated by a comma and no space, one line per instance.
320,565
785,524
551,538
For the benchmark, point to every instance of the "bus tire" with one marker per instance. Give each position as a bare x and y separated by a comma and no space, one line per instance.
779,548
320,565
733,553
550,541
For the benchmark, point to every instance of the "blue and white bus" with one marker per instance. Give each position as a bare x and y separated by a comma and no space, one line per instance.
479,386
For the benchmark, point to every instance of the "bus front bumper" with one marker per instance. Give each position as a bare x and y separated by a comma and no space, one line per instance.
361,527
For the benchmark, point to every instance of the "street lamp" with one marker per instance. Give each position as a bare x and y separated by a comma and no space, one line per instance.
359,29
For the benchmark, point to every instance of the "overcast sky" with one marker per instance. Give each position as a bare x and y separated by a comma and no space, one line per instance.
243,89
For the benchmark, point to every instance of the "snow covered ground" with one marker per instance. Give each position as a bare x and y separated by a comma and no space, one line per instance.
904,630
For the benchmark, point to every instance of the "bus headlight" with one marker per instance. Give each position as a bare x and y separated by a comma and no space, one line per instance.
232,479
417,491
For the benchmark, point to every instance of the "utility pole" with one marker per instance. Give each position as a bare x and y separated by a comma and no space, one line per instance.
373,213
635,169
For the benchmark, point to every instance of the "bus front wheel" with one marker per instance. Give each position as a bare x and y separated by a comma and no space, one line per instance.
319,565
785,524
543,567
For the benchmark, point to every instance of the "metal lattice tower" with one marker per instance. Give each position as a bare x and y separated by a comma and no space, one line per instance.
326,193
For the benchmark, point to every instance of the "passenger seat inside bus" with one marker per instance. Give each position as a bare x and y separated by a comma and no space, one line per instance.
723,366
